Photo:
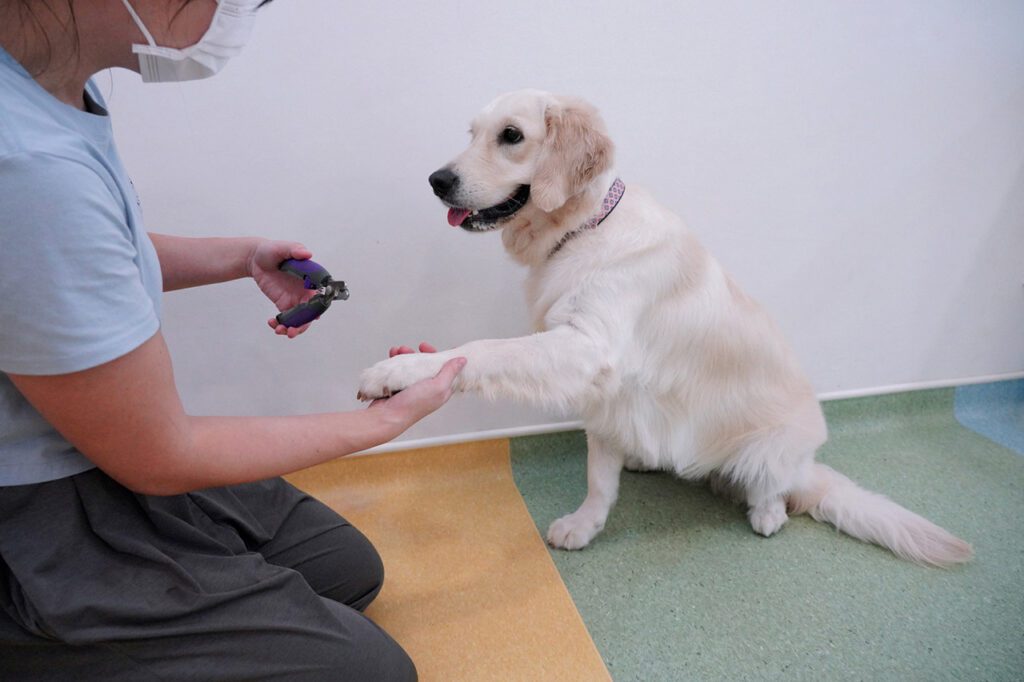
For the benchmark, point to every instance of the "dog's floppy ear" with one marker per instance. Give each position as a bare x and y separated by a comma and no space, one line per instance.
576,150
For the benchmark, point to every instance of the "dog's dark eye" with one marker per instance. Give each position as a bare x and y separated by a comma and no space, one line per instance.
511,135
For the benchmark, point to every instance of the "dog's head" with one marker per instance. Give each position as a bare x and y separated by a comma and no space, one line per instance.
530,150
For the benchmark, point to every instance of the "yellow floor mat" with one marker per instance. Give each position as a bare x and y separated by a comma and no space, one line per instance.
470,590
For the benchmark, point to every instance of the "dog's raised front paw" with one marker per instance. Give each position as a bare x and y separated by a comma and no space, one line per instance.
395,374
573,531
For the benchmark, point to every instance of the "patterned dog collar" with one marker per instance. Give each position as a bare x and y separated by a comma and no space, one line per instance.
611,200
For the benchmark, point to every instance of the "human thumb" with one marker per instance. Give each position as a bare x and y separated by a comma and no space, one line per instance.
450,370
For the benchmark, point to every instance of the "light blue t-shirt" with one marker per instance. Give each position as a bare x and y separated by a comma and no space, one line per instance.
80,282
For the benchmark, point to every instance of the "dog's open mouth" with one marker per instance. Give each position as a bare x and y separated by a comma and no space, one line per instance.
488,218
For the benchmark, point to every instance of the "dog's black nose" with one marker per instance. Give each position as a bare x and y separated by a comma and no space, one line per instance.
443,181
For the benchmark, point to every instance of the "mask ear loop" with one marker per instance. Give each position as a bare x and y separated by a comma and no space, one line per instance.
138,22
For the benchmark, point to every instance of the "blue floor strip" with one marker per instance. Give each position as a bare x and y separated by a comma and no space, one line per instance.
996,411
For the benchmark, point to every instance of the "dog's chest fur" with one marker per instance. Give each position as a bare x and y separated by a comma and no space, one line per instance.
619,287
667,319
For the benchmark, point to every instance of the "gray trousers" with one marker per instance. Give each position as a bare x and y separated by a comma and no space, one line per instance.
249,582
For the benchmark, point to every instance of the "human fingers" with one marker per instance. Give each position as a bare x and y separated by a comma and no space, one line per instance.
269,253
290,332
295,331
299,251
399,350
423,397
449,371
403,350
434,392
283,250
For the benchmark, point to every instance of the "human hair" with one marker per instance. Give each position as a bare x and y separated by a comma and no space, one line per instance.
28,13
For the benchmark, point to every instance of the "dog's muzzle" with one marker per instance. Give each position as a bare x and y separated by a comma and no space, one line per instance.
444,183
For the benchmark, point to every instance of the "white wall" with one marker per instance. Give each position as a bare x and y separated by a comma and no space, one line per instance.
858,166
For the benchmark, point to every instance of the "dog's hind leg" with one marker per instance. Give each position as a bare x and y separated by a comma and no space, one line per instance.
636,464
724,487
604,465
766,472
767,513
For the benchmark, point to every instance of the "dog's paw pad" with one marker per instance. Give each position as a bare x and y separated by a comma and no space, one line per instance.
573,531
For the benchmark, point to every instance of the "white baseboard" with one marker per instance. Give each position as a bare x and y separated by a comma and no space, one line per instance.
919,386
536,429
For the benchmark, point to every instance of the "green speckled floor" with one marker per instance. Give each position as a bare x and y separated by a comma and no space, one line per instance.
678,587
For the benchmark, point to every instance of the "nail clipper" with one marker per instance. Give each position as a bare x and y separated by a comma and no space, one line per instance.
314,276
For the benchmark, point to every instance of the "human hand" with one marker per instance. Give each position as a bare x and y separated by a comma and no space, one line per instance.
416,400
403,368
284,290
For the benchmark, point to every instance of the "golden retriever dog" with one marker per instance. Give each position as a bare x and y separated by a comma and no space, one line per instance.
640,331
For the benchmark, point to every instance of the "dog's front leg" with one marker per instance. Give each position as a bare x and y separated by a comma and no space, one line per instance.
604,464
555,368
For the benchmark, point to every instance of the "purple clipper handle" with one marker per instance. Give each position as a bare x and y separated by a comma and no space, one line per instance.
304,313
313,274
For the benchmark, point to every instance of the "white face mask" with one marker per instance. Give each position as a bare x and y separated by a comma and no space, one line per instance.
229,29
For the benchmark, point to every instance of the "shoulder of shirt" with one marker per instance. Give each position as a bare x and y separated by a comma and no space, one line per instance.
24,136
30,157
62,181
27,127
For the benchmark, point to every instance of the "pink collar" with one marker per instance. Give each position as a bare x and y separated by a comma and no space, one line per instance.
611,200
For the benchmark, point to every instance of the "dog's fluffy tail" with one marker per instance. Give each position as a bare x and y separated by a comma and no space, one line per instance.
875,518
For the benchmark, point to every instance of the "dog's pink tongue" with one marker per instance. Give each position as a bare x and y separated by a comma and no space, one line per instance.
457,215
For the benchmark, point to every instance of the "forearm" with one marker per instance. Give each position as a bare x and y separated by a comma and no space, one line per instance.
219,451
125,415
190,262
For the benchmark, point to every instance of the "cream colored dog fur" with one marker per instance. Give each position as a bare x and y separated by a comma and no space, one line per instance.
641,331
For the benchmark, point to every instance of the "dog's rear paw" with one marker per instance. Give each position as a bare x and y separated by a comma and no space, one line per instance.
767,519
573,531
637,465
